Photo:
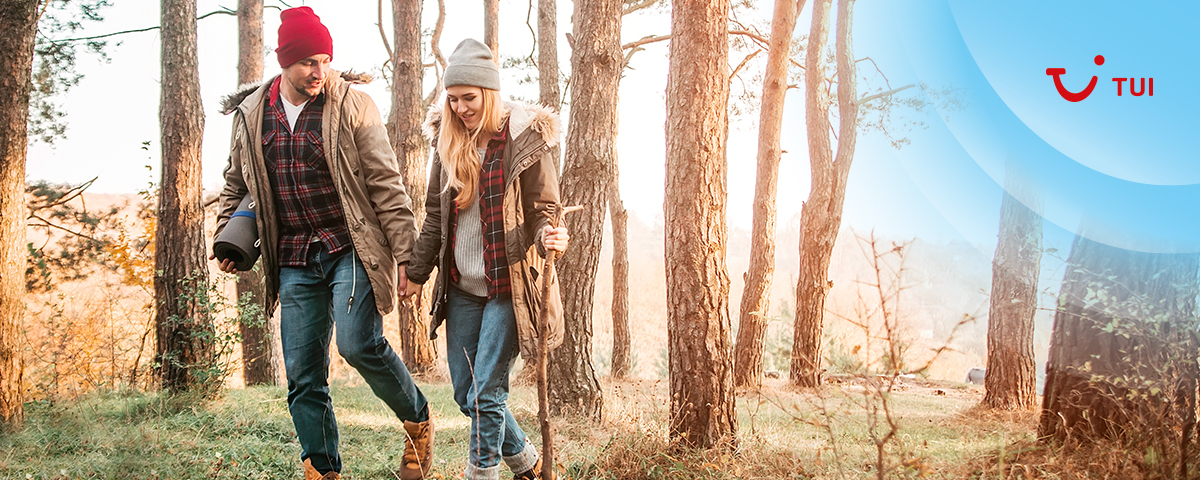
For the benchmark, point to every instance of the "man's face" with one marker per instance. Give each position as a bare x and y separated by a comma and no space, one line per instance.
307,76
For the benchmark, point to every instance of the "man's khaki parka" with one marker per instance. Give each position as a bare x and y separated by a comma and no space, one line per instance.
378,212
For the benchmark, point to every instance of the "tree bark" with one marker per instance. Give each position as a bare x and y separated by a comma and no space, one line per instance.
184,329
821,216
698,324
250,41
491,27
18,25
622,358
756,294
591,153
262,356
549,93
1150,299
1011,379
417,350
1122,364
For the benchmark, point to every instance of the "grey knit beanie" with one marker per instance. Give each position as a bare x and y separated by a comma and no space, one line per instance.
471,64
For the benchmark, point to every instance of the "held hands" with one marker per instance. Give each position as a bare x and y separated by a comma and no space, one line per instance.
406,289
555,239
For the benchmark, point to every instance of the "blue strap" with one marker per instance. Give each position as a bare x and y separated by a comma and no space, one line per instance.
243,213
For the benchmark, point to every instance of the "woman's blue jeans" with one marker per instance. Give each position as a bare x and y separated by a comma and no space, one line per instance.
481,346
333,290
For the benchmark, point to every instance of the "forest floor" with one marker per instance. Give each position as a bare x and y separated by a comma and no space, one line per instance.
782,433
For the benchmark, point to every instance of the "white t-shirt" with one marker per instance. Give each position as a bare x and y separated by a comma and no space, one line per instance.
292,111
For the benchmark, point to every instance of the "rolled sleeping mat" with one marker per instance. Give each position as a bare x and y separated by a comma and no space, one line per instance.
239,240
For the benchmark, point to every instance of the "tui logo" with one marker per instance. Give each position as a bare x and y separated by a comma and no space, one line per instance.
1070,96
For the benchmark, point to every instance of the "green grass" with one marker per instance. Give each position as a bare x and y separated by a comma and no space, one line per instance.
248,434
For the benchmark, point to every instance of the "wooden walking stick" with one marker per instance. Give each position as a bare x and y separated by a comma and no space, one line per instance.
556,219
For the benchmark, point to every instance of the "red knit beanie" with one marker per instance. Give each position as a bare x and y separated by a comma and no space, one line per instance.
301,35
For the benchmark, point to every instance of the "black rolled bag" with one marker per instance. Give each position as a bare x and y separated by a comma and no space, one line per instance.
239,240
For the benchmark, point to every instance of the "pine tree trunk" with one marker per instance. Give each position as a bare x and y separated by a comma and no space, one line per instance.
698,324
250,41
622,358
1011,379
18,24
491,27
184,329
756,294
821,216
549,93
591,153
1092,365
262,355
417,350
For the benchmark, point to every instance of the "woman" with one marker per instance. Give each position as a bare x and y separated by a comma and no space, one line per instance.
487,228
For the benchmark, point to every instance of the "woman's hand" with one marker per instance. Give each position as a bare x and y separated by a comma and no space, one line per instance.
555,239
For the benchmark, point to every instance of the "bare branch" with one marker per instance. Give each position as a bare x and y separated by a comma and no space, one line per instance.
758,37
223,11
893,91
645,41
885,79
69,195
47,223
437,35
744,62
532,33
643,4
383,35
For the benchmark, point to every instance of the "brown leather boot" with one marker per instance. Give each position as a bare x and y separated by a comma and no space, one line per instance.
311,473
418,450
535,473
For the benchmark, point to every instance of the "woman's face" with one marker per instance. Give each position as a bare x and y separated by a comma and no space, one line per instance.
467,102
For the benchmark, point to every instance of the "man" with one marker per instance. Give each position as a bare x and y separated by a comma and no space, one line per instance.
336,231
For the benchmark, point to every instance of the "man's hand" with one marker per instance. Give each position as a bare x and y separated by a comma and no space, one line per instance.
406,288
402,282
555,239
226,266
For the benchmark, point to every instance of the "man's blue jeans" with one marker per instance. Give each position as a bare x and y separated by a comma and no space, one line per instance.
333,290
481,346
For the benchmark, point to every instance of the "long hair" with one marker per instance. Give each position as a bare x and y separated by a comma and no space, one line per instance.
456,145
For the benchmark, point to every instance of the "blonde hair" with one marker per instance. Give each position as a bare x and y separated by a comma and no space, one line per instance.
456,145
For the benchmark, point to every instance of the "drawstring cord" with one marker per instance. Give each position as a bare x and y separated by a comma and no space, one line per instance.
353,282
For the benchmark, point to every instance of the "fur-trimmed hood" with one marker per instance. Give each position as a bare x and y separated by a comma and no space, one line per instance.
230,103
521,117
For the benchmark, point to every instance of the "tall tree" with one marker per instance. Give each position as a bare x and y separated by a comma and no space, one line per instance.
622,358
596,67
756,294
184,328
491,27
1123,340
549,92
18,25
262,358
698,324
408,107
1010,382
821,216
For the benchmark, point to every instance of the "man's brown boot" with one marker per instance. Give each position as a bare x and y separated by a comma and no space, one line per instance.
311,473
535,473
418,450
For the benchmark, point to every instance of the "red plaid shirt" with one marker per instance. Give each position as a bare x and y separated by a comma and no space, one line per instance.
308,204
491,215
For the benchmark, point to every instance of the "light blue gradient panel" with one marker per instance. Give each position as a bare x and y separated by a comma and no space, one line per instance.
1124,166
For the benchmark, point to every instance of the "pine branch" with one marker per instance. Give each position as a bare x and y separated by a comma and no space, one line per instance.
222,11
